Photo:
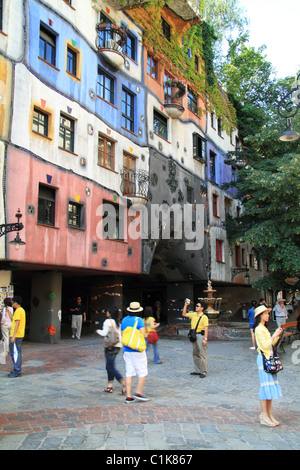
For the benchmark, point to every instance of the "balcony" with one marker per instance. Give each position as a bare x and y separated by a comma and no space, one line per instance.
174,91
135,185
110,42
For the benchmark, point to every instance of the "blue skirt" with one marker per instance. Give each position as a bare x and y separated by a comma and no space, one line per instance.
269,386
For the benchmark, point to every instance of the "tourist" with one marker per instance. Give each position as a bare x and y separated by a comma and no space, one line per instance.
135,361
151,325
269,386
200,345
280,312
6,322
250,316
78,316
17,333
112,321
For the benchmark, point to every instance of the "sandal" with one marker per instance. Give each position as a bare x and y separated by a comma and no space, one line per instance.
108,390
123,391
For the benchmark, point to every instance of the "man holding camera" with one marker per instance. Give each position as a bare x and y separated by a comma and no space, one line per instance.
200,345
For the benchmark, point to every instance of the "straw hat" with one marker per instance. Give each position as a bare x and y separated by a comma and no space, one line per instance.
135,307
261,309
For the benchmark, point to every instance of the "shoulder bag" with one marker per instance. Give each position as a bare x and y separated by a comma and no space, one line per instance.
272,365
192,333
133,338
112,337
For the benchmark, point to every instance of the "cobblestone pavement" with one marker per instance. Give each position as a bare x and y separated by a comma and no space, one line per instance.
58,403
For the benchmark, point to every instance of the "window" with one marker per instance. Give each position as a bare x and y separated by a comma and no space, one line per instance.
105,86
212,165
192,102
220,127
199,148
166,30
104,35
238,255
215,205
190,194
219,251
196,63
160,125
129,183
46,205
130,46
152,67
40,122
106,152
127,110
47,45
71,61
66,133
75,215
167,89
228,205
112,222
212,120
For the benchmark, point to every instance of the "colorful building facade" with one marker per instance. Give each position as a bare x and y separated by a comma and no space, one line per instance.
95,119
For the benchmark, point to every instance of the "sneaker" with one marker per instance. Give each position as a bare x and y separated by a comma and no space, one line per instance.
140,397
129,400
252,347
14,374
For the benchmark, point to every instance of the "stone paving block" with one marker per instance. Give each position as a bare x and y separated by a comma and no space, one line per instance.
63,405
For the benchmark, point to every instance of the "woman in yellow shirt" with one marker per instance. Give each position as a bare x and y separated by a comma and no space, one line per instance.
151,325
269,386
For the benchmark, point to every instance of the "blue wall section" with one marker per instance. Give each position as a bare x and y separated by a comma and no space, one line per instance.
79,91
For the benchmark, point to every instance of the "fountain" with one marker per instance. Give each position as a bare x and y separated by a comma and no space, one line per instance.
210,301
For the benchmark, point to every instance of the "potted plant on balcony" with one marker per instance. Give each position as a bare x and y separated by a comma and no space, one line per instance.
176,84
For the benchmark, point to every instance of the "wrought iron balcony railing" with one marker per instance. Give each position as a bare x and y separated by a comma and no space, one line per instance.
173,92
135,185
110,43
110,37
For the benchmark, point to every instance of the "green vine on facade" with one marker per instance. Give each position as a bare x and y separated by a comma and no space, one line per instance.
178,56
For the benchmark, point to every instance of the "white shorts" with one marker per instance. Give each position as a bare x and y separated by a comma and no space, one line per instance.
135,363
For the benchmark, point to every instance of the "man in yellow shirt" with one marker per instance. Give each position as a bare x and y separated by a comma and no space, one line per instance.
17,334
200,345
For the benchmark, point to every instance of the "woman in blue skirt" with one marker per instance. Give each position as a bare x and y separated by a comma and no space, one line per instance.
269,386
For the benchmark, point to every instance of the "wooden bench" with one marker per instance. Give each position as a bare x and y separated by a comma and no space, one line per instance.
289,330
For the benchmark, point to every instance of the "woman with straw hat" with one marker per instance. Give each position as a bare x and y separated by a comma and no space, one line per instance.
269,386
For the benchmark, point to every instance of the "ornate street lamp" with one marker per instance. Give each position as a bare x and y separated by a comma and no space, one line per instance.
16,227
288,108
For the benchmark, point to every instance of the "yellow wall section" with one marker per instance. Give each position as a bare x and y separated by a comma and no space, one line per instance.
5,95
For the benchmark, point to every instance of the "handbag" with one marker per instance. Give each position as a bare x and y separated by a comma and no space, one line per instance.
192,333
272,365
133,338
5,319
112,337
152,337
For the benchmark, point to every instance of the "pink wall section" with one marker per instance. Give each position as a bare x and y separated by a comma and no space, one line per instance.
61,245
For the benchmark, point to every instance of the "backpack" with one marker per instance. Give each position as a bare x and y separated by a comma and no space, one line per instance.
112,337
